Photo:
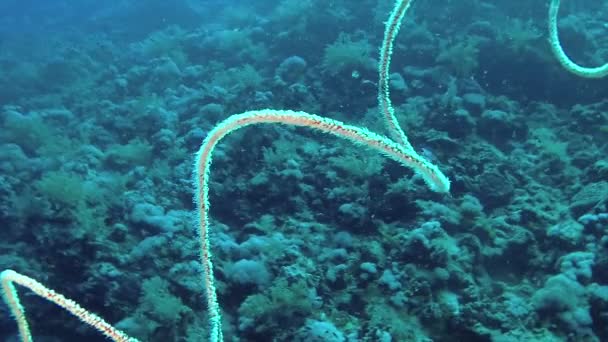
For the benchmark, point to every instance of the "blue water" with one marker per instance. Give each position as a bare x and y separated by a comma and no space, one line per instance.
103,106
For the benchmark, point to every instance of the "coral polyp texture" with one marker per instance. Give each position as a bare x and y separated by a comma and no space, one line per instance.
137,206
562,57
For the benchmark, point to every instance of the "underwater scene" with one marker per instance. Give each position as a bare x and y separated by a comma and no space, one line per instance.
303,170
